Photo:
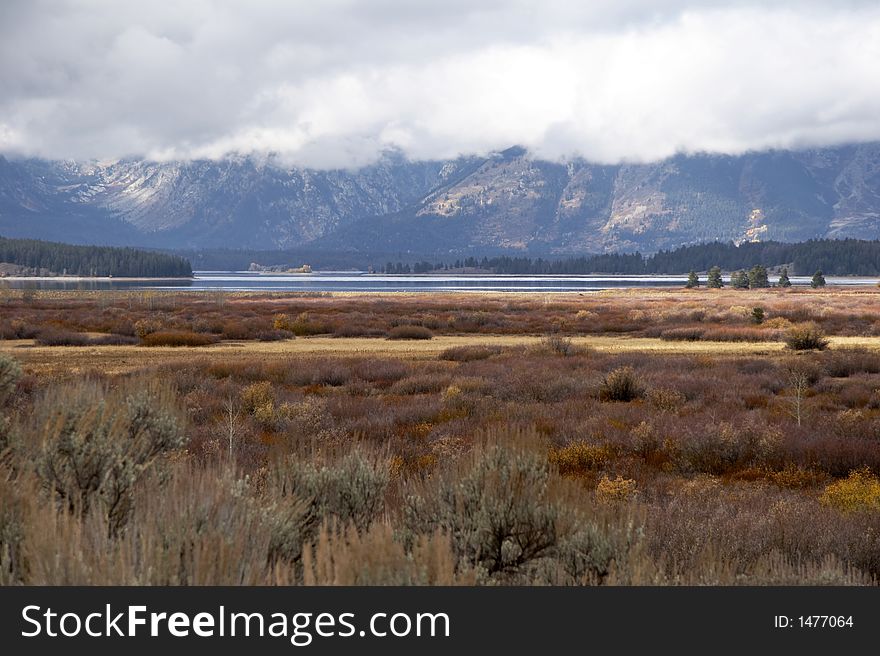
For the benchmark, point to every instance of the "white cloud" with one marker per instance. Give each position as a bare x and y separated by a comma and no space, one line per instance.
335,83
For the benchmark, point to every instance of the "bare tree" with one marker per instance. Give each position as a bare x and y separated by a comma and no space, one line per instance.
231,418
800,383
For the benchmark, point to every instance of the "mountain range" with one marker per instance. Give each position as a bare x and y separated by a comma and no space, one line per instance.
506,202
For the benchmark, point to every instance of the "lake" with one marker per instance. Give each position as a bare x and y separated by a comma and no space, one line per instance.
355,281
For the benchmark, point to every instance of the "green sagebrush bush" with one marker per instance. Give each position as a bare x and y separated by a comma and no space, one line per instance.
10,373
91,442
13,521
350,492
497,513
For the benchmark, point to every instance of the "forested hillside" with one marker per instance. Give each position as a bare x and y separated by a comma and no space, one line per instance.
65,259
841,257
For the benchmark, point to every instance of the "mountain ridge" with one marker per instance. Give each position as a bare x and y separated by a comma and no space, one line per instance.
504,202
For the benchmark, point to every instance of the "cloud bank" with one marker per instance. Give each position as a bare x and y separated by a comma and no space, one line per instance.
335,83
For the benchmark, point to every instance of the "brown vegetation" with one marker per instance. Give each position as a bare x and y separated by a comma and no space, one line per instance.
177,338
506,462
675,314
410,332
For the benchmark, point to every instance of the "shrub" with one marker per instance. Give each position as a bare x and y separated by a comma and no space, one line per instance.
309,421
145,327
17,329
420,384
304,325
794,477
615,490
738,334
842,363
666,400
806,337
60,337
558,345
93,443
683,334
195,525
375,557
469,353
860,491
236,330
350,330
498,512
586,555
410,332
282,322
777,323
113,340
10,373
178,338
13,524
350,492
273,335
257,395
621,385
719,449
578,458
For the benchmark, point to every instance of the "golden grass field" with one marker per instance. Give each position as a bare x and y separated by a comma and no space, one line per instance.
65,361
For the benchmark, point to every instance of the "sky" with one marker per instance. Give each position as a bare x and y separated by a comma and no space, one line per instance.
336,83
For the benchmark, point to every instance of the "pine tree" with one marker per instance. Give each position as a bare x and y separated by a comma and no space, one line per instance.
714,280
818,280
783,278
740,280
758,277
693,280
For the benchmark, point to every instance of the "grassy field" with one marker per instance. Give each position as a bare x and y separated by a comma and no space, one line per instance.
644,437
65,361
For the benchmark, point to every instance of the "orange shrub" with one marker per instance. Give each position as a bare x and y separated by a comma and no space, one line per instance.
860,491
617,489
578,458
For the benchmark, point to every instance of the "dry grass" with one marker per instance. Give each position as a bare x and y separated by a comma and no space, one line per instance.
113,360
327,459
121,359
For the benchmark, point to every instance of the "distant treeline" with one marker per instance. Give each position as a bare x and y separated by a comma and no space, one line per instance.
837,257
41,256
832,256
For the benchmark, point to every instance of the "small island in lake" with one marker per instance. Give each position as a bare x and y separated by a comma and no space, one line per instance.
279,268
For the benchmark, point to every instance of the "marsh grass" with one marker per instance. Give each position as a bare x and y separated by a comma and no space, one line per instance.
468,458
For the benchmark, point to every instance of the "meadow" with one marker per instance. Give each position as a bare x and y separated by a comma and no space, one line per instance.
622,438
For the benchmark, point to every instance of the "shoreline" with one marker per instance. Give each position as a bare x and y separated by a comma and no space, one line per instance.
88,279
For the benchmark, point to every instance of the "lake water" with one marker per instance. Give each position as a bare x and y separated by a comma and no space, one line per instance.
348,281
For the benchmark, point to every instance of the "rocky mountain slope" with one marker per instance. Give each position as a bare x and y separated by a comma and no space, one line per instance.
506,202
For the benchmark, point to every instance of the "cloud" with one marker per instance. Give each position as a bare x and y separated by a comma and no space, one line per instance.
336,83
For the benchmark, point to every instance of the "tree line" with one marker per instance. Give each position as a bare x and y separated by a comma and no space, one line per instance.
755,278
831,256
94,261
